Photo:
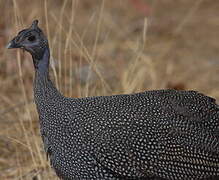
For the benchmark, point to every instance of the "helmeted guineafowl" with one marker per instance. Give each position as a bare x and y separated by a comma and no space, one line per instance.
164,133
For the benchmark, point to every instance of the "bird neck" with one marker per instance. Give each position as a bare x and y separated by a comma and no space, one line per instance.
41,62
44,89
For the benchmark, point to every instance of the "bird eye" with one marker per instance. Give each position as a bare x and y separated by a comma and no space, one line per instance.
31,38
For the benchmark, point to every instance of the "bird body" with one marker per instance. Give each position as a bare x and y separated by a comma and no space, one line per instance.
164,133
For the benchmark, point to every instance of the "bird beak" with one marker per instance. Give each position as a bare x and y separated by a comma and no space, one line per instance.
12,44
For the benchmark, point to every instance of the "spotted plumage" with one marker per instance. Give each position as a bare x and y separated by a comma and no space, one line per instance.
165,134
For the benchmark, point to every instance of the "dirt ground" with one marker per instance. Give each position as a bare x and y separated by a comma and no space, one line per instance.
100,47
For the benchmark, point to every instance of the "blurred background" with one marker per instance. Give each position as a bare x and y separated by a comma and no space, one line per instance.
100,47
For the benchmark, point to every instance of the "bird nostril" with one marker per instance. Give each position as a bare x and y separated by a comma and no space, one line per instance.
16,39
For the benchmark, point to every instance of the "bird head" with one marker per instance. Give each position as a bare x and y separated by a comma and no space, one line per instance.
31,39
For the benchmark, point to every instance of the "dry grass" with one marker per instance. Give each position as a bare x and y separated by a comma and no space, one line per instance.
100,48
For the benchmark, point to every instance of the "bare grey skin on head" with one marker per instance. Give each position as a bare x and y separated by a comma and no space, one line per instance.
162,134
